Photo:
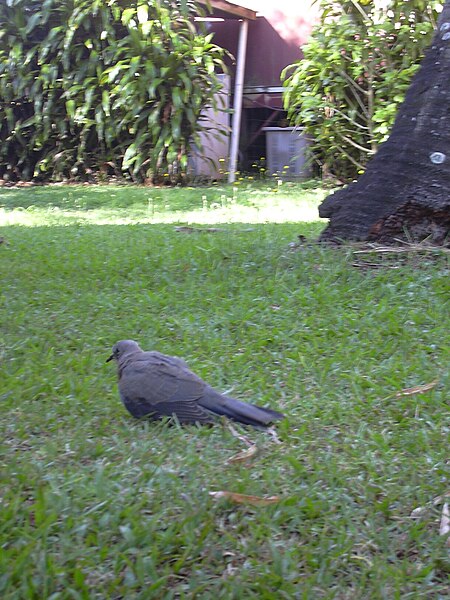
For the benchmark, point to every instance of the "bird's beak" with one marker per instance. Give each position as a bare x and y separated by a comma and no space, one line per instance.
110,358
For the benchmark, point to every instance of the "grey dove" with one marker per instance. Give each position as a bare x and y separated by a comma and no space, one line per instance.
156,385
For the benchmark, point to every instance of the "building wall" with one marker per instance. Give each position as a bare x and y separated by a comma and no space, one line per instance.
274,38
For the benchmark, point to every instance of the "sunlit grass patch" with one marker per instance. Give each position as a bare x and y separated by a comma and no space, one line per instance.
257,203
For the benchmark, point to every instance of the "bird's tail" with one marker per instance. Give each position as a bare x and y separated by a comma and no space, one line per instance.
243,412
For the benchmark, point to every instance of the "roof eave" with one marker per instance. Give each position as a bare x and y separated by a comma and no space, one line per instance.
227,10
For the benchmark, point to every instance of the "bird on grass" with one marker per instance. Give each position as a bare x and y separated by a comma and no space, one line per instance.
156,385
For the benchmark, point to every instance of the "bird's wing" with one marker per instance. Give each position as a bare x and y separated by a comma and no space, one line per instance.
166,359
186,412
159,386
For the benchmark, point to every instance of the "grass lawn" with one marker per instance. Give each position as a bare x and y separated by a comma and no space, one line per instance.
97,505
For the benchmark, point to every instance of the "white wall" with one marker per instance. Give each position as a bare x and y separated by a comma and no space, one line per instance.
206,162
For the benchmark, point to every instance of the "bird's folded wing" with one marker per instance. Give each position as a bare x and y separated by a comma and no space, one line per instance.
159,388
160,382
186,412
175,361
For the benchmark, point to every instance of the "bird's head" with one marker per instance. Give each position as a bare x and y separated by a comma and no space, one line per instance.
122,348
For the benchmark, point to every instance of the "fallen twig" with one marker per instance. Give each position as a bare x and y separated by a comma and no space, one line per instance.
272,432
374,265
373,248
444,526
247,441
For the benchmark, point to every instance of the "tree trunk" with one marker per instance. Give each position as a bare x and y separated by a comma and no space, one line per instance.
405,192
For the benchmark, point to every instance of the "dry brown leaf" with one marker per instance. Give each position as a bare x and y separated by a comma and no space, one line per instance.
418,389
188,229
245,499
243,455
444,527
184,229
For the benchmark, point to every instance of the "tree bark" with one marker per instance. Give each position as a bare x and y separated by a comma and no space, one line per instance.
405,192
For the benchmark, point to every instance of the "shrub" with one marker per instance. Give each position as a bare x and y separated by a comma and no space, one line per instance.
102,86
356,69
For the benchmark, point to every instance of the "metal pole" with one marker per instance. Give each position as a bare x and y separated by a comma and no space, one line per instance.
237,108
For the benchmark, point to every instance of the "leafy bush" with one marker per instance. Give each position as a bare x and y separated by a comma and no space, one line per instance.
356,69
102,86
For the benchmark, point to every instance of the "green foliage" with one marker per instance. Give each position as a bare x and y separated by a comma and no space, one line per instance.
354,74
94,85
